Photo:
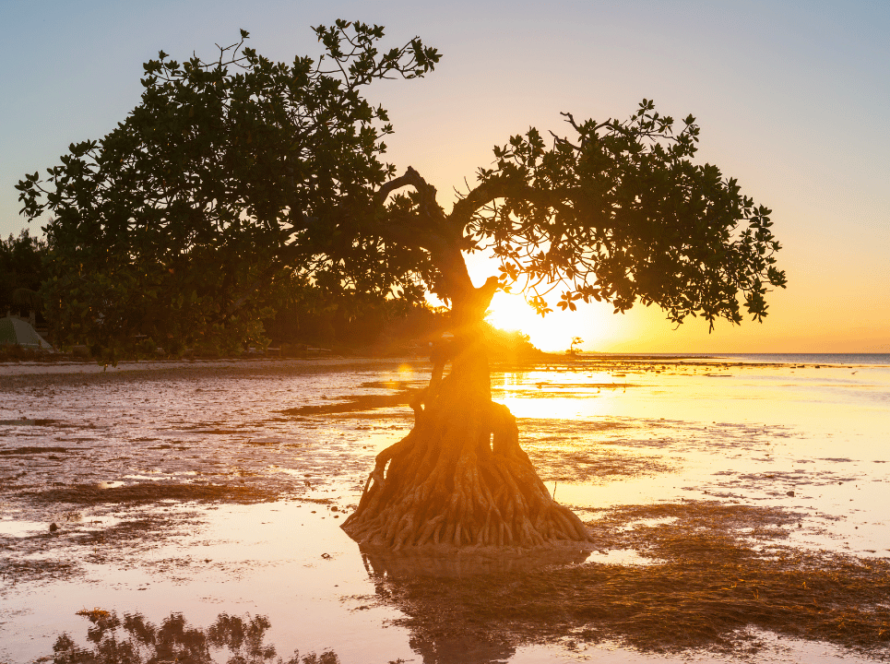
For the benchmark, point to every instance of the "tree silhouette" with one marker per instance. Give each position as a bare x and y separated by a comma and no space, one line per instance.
269,171
234,182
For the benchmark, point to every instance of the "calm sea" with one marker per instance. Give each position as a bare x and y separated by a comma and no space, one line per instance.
811,358
781,358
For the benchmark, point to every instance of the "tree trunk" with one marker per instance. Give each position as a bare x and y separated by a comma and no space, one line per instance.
459,477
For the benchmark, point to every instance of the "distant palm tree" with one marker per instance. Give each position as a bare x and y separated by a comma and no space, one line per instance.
576,341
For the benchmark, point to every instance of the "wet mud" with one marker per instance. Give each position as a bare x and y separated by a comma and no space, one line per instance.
92,494
354,403
752,537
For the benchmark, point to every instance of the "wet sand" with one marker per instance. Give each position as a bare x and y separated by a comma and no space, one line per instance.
200,500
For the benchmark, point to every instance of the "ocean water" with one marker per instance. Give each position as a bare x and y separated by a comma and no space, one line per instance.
197,490
848,359
845,359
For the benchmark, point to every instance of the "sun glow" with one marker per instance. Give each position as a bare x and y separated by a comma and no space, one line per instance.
510,312
552,333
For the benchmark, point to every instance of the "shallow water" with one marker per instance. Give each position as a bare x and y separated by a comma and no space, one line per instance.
201,489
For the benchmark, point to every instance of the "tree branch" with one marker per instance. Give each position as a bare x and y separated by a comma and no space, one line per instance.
501,187
412,178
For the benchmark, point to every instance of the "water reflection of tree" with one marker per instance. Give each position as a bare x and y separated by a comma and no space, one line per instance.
458,632
134,640
719,578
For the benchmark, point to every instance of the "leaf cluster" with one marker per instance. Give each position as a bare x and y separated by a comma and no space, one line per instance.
619,212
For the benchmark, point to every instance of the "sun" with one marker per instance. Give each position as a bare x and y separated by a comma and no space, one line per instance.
510,312
554,332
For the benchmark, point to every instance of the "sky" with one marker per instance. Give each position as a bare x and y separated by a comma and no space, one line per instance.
790,97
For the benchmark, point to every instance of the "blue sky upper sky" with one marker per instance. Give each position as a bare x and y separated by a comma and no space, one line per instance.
791,97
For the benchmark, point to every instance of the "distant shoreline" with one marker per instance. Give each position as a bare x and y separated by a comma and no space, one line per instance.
545,360
780,358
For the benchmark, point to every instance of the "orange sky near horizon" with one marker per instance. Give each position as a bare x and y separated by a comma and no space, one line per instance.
789,96
645,329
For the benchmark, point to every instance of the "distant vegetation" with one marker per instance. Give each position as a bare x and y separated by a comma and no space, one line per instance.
22,273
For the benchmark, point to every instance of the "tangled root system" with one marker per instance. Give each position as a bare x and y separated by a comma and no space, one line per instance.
459,478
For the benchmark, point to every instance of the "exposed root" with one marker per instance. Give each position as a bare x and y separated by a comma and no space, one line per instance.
459,478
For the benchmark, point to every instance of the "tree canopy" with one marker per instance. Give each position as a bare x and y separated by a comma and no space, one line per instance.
618,212
237,180
216,195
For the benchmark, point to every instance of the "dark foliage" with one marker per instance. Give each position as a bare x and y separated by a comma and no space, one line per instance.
199,213
618,212
22,272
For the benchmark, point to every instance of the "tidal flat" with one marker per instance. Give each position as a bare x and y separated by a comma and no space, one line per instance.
190,511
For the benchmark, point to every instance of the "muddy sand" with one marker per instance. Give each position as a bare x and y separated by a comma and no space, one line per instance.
189,511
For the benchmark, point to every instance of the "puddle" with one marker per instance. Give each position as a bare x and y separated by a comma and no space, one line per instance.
619,557
22,528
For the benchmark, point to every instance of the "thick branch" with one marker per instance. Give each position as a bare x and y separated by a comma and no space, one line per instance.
426,234
429,231
412,178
